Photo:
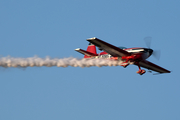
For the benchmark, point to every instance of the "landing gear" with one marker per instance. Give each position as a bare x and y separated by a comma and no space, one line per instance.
124,64
128,59
140,71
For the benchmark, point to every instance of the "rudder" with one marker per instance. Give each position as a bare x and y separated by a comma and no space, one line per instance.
91,48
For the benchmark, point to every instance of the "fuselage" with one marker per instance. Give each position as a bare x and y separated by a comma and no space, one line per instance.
136,54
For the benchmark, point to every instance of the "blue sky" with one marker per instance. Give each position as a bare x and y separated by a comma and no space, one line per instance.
55,28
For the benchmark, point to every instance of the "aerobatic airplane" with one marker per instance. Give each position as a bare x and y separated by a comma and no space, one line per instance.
136,56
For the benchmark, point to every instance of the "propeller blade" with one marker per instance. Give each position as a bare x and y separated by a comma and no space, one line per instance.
148,41
157,54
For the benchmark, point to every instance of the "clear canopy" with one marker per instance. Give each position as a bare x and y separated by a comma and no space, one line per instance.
122,47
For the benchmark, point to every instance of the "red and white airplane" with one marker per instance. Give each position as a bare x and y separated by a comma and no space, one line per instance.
136,56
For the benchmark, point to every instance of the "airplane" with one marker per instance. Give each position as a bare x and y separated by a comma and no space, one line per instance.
136,56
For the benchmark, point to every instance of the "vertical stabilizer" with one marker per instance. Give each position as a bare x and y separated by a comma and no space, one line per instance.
91,48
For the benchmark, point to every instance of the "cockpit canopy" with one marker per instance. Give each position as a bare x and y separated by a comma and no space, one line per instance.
122,47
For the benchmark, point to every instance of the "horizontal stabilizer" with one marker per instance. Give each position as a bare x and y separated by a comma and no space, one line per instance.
85,52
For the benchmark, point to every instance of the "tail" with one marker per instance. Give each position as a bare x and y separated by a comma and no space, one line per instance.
90,52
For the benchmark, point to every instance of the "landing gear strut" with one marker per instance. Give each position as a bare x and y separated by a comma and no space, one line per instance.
133,57
140,71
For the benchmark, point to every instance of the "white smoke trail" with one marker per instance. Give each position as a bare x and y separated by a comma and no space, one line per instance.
49,62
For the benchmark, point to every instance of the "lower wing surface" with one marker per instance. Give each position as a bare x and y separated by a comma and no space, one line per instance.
152,66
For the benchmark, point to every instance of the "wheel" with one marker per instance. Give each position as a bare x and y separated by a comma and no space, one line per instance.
141,72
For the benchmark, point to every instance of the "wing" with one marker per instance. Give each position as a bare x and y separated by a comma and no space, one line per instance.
111,49
152,66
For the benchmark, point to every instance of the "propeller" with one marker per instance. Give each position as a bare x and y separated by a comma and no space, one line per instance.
156,53
148,41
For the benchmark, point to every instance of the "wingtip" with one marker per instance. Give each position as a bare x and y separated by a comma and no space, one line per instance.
93,38
77,49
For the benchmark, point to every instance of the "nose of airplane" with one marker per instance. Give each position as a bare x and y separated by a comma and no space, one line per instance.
150,51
